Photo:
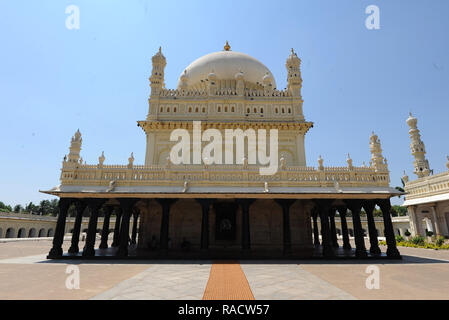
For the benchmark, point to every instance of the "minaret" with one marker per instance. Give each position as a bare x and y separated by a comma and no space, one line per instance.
294,81
377,159
157,74
418,149
75,148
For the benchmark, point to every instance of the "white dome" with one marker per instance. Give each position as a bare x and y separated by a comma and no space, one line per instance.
225,65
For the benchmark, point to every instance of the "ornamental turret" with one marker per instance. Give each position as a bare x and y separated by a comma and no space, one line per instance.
294,80
377,159
421,165
240,83
75,148
157,74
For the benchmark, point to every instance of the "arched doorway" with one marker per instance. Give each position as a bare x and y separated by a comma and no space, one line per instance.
21,233
50,233
10,233
1,232
32,233
42,233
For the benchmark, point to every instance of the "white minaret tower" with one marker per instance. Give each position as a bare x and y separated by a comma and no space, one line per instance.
294,80
418,149
157,74
377,159
75,148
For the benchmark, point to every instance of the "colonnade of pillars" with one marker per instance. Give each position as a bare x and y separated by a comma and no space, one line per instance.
123,214
323,209
121,238
326,212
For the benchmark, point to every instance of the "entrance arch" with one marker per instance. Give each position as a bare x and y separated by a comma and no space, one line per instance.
32,233
21,233
10,233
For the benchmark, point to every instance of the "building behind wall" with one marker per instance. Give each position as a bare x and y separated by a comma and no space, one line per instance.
427,198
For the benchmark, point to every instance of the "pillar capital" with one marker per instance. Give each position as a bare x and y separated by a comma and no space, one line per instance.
354,204
285,202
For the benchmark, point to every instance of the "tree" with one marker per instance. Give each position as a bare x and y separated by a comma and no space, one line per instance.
399,210
32,208
44,207
5,208
18,208
54,204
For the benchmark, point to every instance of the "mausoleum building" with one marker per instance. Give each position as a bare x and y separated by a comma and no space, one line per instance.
213,205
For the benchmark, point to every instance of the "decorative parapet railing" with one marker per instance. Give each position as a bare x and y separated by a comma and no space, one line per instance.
223,92
235,175
425,186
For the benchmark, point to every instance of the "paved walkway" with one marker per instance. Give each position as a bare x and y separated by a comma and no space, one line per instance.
25,273
227,281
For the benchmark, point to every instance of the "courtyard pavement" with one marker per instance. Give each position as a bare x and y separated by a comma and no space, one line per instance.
25,273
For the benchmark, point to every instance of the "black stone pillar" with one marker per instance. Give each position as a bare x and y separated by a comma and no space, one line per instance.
118,220
246,235
165,221
344,227
79,206
323,207
392,250
316,232
105,230
374,243
94,206
286,231
205,208
333,229
135,219
58,238
127,205
355,206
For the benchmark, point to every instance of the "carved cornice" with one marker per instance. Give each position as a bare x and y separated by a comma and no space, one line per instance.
300,127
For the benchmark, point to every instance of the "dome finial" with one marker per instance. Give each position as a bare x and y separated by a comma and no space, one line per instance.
227,47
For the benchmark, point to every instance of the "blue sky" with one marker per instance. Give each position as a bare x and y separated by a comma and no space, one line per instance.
54,80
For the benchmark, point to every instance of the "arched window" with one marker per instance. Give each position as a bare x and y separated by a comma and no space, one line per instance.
50,233
32,233
21,233
10,233
162,109
42,233
219,109
261,110
232,109
204,110
174,109
289,110
276,110
247,110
